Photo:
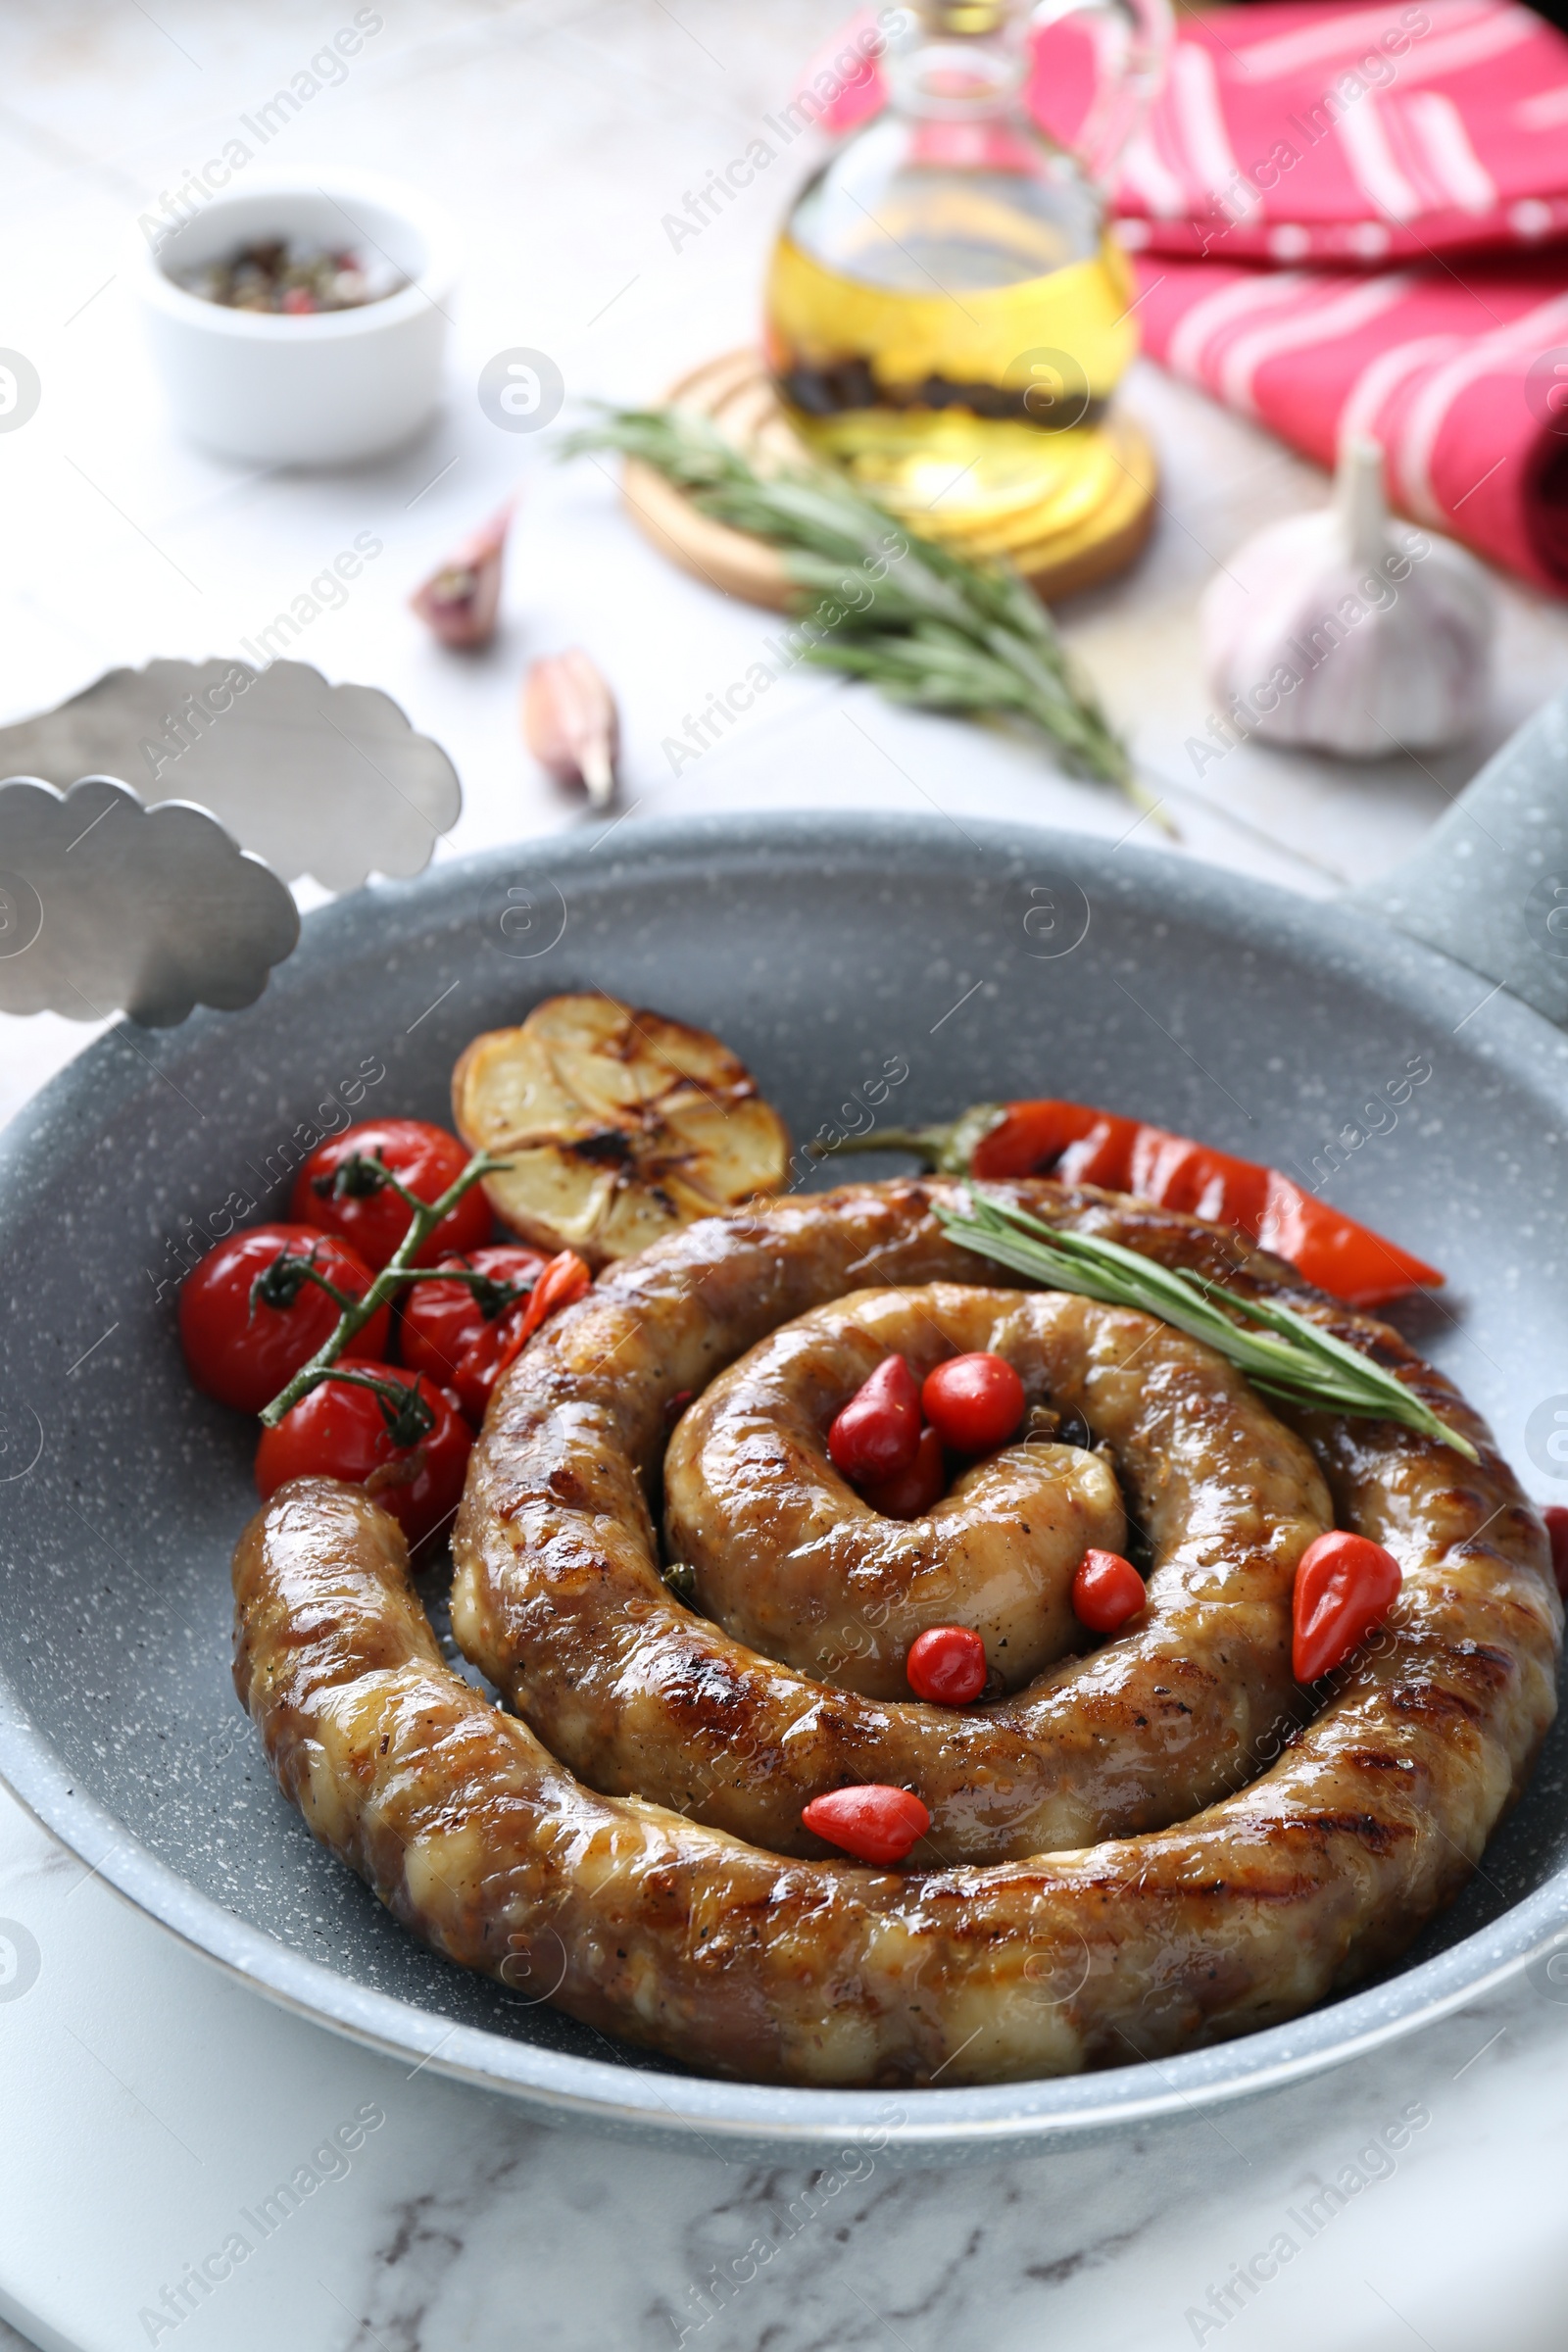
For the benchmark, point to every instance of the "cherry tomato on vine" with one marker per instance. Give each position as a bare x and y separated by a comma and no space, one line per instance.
874,1823
975,1401
343,1187
251,1313
1343,1585
947,1665
912,1493
459,1331
1107,1592
876,1435
402,1438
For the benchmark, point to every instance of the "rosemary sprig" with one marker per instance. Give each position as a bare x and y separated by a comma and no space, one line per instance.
925,625
1290,1357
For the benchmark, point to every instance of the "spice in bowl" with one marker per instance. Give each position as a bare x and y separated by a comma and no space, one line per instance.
291,278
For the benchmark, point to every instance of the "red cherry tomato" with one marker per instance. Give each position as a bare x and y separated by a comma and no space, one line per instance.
249,1314
342,1188
1556,1515
458,1331
947,1664
1343,1585
877,1433
975,1401
1107,1592
913,1491
407,1442
874,1823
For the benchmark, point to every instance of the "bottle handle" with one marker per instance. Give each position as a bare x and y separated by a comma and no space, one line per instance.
1131,68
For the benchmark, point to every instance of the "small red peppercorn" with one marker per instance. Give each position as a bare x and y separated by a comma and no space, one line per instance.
878,1434
873,1822
1343,1585
976,1402
913,1493
1107,1592
1556,1515
947,1664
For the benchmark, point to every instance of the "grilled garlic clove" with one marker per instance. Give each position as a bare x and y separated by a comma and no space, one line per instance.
615,1124
461,599
569,722
1349,632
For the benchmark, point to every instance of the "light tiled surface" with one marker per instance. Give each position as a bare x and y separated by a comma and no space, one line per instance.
559,133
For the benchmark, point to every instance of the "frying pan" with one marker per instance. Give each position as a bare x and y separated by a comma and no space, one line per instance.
997,960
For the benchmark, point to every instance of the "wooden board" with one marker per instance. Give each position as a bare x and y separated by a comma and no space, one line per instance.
735,392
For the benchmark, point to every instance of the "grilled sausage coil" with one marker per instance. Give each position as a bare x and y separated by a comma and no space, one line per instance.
527,1845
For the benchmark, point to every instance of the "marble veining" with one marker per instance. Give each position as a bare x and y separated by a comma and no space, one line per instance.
166,2102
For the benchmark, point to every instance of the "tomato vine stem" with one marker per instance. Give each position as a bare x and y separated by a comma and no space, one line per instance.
399,1268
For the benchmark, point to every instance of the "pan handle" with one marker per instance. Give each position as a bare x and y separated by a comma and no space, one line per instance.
1490,883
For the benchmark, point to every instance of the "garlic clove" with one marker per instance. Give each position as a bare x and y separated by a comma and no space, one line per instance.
1347,632
462,597
570,724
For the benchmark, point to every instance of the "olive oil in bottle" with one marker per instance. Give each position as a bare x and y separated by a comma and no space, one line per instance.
947,314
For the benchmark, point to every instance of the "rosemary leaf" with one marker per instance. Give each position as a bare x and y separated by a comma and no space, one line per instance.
1289,1356
935,629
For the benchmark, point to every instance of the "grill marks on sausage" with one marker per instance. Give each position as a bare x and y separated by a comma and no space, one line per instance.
1119,1740
735,1961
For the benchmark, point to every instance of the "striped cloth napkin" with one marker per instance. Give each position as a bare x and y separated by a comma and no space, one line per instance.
1351,135
1356,217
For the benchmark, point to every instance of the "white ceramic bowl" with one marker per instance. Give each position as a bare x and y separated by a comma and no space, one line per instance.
320,390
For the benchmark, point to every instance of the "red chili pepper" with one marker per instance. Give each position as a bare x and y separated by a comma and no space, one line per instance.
1343,1585
1103,1155
563,1283
913,1491
974,1401
947,1665
878,1434
1180,1174
1347,1259
1556,1515
1107,1592
1080,1144
873,1822
1027,1138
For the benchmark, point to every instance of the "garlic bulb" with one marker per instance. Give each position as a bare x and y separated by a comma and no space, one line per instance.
1347,632
570,724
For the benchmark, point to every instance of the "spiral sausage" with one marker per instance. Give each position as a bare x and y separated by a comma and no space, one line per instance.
679,1935
792,1562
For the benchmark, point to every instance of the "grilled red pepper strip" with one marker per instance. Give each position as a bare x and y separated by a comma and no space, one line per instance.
1080,1144
563,1283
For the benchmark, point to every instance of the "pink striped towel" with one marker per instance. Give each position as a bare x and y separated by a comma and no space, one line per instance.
1293,133
1417,156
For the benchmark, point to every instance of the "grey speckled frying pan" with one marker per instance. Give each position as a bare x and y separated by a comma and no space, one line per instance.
996,961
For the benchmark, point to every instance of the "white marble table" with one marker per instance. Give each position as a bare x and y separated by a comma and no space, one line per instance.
152,2108
146,2099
